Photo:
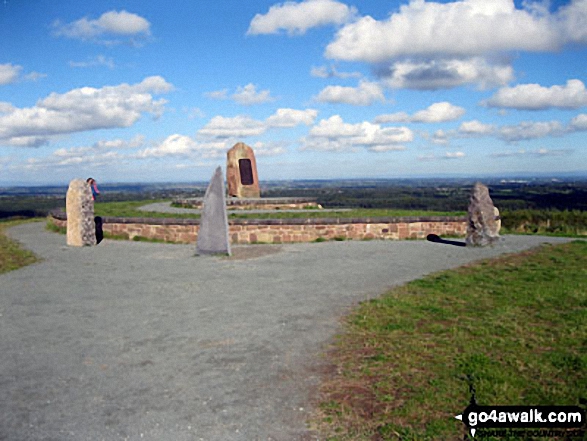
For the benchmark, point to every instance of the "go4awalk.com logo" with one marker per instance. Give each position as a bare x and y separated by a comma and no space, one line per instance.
551,418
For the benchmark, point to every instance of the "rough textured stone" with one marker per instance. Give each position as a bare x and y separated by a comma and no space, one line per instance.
81,228
213,233
483,224
241,172
495,231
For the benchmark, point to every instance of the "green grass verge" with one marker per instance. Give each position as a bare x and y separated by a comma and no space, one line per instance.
515,327
12,256
130,209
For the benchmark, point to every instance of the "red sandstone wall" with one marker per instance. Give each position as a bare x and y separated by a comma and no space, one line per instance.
246,234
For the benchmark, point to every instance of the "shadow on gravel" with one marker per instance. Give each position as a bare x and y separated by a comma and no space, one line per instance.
437,239
99,230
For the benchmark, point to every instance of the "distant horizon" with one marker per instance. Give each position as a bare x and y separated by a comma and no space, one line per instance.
581,175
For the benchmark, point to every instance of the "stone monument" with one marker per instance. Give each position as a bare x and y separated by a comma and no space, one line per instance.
483,218
81,228
241,172
213,232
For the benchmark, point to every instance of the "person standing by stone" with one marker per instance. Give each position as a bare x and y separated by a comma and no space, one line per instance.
94,187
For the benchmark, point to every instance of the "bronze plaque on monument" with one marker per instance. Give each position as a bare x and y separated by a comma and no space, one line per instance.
241,172
246,171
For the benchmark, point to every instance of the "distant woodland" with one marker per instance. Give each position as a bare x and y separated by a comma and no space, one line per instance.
525,206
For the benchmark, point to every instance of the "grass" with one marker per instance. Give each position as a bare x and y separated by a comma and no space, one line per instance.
12,256
355,212
515,328
130,209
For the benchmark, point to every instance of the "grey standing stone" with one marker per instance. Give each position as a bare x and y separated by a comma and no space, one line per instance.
483,218
81,228
213,232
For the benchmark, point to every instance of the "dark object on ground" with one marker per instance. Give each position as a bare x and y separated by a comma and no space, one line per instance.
437,239
99,230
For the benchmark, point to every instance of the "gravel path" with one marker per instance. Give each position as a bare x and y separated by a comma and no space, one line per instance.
144,341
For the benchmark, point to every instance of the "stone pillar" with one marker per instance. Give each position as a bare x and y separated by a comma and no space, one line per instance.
241,172
483,218
81,228
213,231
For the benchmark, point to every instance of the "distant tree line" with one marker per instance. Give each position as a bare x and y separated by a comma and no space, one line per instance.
446,198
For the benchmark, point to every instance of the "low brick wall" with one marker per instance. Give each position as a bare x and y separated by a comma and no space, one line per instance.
246,231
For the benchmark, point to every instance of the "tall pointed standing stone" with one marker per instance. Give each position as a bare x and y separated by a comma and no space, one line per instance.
213,232
81,228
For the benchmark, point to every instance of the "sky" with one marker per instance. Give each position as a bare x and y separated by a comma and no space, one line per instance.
135,91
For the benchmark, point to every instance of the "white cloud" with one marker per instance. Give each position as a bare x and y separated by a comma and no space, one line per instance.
436,113
447,155
446,73
9,73
363,95
238,126
111,23
538,153
297,18
245,95
268,149
74,158
531,130
334,134
194,112
98,60
573,18
185,146
525,130
292,117
386,148
81,110
332,72
476,128
536,97
119,144
320,72
441,137
248,95
459,28
242,126
433,45
34,76
217,94
6,107
173,145
579,122
101,153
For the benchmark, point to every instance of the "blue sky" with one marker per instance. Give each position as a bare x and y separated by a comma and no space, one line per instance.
151,91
